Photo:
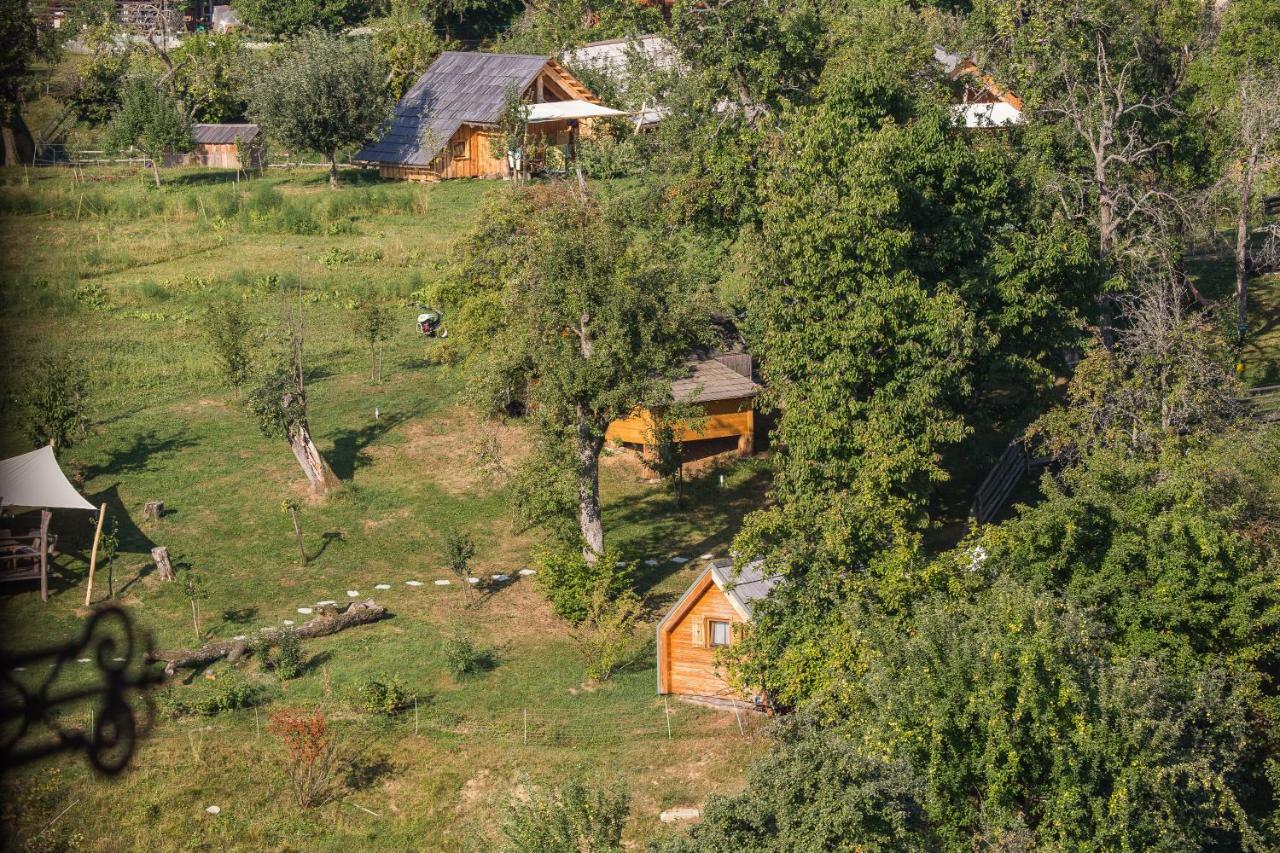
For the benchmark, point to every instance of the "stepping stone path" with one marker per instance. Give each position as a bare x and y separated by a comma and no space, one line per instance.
413,583
708,556
382,586
353,593
288,622
19,669
83,660
473,580
213,810
679,560
527,572
325,603
651,562
239,637
305,611
673,815
119,660
442,582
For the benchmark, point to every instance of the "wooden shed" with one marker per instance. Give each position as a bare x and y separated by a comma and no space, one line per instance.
704,620
720,386
215,145
446,124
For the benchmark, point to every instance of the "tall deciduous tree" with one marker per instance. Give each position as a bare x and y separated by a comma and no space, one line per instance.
151,120
597,315
17,49
407,42
322,93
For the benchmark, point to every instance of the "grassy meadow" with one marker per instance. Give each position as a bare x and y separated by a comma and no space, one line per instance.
117,275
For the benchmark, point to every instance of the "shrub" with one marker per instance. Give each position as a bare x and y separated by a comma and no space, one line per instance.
287,661
463,657
312,752
569,582
607,638
56,400
574,816
387,695
230,691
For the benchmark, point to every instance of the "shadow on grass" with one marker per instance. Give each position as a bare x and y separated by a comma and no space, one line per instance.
349,445
139,453
202,178
327,538
367,768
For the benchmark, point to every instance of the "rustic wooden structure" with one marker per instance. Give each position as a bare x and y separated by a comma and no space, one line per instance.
706,618
721,387
222,146
447,124
981,101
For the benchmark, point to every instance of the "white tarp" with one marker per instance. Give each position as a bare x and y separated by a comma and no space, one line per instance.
34,480
987,115
558,110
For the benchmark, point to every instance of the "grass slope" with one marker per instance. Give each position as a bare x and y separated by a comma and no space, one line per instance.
116,275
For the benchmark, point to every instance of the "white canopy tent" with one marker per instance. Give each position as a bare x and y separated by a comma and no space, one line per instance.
560,110
34,481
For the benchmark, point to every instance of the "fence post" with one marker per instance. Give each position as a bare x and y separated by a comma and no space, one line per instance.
257,735
526,726
415,716
667,710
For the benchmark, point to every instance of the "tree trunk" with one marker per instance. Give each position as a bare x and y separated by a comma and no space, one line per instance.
333,171
1242,242
10,146
329,621
161,557
590,444
320,476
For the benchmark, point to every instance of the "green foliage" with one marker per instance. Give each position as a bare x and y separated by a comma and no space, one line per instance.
231,335
458,551
386,695
464,658
292,17
322,93
17,50
408,44
575,817
97,86
148,119
210,76
55,403
287,660
606,637
278,403
230,691
572,584
372,326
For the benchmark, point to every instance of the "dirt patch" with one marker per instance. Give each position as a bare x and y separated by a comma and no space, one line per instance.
459,451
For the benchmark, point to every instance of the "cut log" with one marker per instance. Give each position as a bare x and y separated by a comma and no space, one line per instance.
330,621
161,557
152,510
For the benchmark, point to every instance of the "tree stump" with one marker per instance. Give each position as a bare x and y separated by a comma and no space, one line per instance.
161,557
153,510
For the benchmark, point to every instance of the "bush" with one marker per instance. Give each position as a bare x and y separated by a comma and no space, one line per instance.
230,691
313,754
463,657
287,662
386,695
574,817
607,638
569,582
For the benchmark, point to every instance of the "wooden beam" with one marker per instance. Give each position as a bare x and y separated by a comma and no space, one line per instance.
93,557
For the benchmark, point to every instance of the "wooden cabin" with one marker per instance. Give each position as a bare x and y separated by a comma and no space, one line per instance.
705,619
219,146
721,387
447,123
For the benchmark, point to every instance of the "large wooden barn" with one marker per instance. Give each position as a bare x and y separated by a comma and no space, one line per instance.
721,387
703,621
446,125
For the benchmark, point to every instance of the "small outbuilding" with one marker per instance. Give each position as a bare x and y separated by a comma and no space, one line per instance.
705,619
721,387
447,123
220,146
981,101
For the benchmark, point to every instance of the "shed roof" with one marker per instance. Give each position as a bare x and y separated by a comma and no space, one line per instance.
746,586
459,88
709,380
222,134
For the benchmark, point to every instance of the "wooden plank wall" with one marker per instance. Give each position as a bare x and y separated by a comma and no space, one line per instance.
724,418
689,667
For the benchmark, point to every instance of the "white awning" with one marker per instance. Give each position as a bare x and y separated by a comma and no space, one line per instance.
560,110
34,480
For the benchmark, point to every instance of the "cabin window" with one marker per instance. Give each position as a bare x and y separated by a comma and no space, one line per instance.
719,633
458,149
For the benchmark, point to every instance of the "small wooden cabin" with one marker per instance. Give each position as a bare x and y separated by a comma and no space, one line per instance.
704,620
721,386
216,146
446,124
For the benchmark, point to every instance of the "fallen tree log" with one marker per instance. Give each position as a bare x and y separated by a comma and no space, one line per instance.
330,620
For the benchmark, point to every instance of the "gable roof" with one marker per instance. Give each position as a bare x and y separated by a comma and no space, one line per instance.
709,380
222,134
742,588
459,88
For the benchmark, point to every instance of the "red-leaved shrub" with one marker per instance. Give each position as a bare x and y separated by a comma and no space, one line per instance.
313,753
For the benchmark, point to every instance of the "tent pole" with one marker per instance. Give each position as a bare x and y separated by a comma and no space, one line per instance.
45,517
93,557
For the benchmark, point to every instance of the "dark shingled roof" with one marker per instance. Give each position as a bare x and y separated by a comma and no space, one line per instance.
458,88
708,380
746,585
222,134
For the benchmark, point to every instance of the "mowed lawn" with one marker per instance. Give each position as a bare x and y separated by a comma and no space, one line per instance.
117,275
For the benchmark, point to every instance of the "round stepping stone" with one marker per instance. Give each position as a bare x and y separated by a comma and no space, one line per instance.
19,669
413,583
119,660
83,660
213,810
353,593
501,578
288,622
239,637
325,603
442,582
708,556
473,580
527,572
305,611
651,562
679,560
382,586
